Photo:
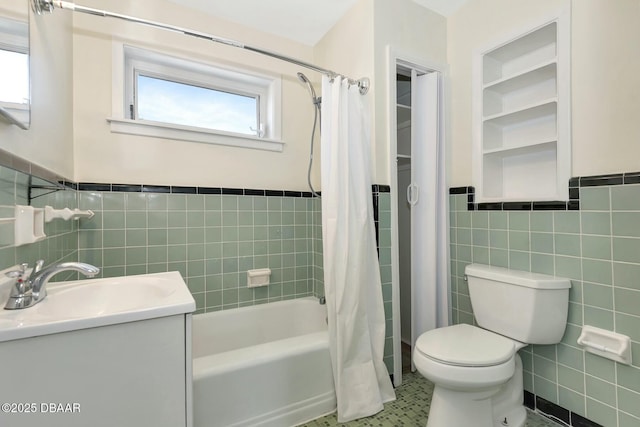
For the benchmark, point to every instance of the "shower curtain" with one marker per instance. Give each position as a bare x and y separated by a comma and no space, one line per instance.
351,271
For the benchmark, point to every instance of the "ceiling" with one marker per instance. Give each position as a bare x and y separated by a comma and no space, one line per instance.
305,21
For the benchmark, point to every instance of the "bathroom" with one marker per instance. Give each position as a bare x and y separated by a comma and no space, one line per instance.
173,204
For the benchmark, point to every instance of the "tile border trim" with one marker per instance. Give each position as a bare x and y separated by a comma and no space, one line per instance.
573,204
556,412
19,164
174,189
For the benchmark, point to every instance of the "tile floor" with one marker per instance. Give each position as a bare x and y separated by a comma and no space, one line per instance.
410,409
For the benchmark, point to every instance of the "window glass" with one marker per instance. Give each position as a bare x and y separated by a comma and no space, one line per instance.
169,101
14,77
223,100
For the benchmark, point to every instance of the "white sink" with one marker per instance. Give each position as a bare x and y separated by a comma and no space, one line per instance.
92,303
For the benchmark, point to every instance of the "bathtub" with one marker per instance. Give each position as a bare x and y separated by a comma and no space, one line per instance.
264,365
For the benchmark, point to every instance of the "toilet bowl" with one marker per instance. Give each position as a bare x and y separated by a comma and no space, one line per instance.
476,371
471,367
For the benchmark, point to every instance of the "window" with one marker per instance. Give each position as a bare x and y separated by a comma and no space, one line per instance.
170,101
14,71
175,98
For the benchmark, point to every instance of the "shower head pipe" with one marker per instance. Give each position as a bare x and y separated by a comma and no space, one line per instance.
42,6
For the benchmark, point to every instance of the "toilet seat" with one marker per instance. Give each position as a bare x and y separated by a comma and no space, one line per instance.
465,357
465,345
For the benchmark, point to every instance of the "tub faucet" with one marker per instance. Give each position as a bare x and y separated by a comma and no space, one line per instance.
30,288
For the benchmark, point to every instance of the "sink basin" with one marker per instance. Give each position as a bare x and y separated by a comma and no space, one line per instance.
95,297
92,303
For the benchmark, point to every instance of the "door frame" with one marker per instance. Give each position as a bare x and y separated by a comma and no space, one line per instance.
397,58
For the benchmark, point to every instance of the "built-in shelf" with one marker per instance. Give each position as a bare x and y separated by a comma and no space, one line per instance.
403,90
403,114
522,127
521,53
522,150
403,143
524,77
403,160
524,113
522,147
531,87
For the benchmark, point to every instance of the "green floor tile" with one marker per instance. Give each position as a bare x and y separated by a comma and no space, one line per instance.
410,409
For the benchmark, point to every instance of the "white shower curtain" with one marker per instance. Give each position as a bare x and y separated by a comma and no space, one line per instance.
351,271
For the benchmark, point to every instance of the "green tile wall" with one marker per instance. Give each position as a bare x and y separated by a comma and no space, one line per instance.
384,256
212,240
316,242
598,248
61,243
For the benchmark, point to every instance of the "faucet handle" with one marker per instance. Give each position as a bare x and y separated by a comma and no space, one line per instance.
17,274
38,266
20,287
21,273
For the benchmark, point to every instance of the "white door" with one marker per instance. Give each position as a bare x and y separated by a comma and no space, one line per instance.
425,128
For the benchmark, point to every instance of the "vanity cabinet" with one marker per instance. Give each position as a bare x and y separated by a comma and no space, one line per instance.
521,112
127,375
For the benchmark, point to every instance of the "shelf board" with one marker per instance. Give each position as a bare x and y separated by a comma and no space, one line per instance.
403,160
537,109
525,44
521,149
403,112
404,156
405,124
524,78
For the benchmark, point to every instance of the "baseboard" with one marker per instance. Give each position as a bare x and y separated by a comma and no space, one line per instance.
556,412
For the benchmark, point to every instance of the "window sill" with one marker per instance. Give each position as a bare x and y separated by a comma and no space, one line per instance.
193,134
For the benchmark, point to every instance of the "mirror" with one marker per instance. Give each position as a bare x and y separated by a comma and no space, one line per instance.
14,56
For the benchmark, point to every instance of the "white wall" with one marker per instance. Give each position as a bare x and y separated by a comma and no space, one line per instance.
348,49
416,34
49,140
102,156
606,86
604,78
357,46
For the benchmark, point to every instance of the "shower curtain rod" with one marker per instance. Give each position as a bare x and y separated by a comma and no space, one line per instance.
41,6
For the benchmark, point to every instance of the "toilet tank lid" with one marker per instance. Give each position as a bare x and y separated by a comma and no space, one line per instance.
517,277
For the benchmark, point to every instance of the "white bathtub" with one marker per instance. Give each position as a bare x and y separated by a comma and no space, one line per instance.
264,365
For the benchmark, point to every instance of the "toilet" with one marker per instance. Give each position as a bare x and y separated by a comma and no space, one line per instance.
476,369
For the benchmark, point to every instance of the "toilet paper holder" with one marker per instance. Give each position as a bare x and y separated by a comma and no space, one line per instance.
608,344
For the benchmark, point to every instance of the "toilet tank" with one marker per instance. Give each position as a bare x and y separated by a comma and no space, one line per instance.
527,307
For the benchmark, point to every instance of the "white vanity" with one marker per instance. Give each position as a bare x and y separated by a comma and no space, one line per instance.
101,353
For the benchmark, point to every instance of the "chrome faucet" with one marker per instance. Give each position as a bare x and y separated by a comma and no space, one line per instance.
30,289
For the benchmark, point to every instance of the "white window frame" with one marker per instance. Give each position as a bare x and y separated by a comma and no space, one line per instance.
131,61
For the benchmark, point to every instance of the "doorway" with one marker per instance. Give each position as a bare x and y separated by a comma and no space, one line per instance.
419,208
